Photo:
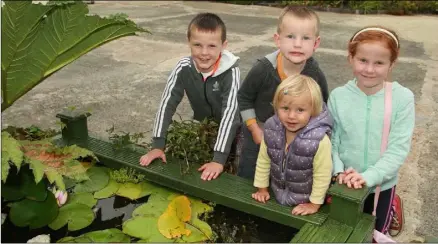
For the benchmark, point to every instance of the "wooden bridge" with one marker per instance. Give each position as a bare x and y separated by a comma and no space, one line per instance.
340,221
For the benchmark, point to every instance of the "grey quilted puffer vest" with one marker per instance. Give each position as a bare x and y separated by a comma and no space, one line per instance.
292,173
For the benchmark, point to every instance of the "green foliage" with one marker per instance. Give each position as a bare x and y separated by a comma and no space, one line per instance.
31,133
38,40
22,185
124,175
126,139
85,198
98,179
34,214
192,141
76,215
112,235
11,154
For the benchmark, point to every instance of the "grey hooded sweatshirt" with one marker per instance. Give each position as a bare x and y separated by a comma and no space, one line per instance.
216,97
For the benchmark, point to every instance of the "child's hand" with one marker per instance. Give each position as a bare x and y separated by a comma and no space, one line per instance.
262,195
353,179
211,170
256,132
146,159
340,178
306,209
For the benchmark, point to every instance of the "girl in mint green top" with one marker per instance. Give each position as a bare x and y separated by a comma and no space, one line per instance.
358,111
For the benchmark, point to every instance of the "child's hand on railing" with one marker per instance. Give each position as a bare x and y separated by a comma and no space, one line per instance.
351,178
306,209
262,195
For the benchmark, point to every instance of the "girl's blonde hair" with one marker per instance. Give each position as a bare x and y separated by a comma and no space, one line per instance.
297,85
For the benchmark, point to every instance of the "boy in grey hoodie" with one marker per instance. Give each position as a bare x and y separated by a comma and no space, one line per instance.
297,38
211,78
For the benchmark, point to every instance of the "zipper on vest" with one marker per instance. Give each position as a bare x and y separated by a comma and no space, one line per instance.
366,133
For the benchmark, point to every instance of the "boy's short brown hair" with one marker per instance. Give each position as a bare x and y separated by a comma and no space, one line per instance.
302,12
207,22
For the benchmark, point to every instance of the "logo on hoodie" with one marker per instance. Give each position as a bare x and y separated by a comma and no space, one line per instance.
216,86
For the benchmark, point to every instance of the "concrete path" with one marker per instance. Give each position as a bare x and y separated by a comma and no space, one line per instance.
121,82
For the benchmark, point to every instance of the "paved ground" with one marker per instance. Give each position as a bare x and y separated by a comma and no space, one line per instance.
121,82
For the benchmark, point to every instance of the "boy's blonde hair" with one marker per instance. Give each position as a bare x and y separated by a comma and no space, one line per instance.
301,12
297,85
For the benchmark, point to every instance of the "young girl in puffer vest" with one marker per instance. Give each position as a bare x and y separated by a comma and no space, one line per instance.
295,153
358,110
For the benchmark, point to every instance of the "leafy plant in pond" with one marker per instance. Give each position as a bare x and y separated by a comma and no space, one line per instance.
44,158
38,40
163,213
31,204
124,175
191,141
128,190
112,235
31,133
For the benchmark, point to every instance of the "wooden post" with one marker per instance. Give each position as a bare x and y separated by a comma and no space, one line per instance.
347,204
75,129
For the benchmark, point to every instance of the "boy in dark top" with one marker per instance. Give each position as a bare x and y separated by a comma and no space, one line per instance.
211,78
297,38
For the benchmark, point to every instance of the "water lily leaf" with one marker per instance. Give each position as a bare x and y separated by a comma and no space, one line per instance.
76,215
112,235
203,228
154,207
133,191
34,213
99,178
11,152
195,236
171,226
144,228
181,206
85,198
108,191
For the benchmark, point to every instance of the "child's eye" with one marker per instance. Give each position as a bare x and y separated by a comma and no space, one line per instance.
196,44
290,36
212,46
300,110
306,38
363,60
379,63
285,108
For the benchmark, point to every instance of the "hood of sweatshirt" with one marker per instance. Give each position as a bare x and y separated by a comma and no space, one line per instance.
227,61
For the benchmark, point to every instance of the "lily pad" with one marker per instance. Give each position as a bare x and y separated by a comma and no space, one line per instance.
76,215
171,226
133,191
181,206
144,228
23,185
108,191
112,235
85,198
36,214
195,236
99,178
155,206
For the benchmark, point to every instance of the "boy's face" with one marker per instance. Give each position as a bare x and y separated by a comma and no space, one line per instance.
205,47
297,40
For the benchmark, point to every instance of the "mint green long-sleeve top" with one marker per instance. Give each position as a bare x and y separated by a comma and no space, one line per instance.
357,132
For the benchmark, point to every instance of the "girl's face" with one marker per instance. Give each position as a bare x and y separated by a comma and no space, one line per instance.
371,66
294,112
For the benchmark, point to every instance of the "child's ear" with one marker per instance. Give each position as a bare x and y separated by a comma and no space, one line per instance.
317,42
277,39
224,45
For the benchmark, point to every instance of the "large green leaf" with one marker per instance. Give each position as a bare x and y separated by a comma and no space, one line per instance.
99,178
34,213
23,185
112,235
109,190
46,44
55,177
37,168
144,228
11,152
85,198
76,215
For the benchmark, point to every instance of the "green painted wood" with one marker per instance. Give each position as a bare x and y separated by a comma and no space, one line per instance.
363,230
347,204
228,190
329,232
75,125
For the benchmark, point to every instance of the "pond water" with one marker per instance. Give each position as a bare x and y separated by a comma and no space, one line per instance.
230,225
